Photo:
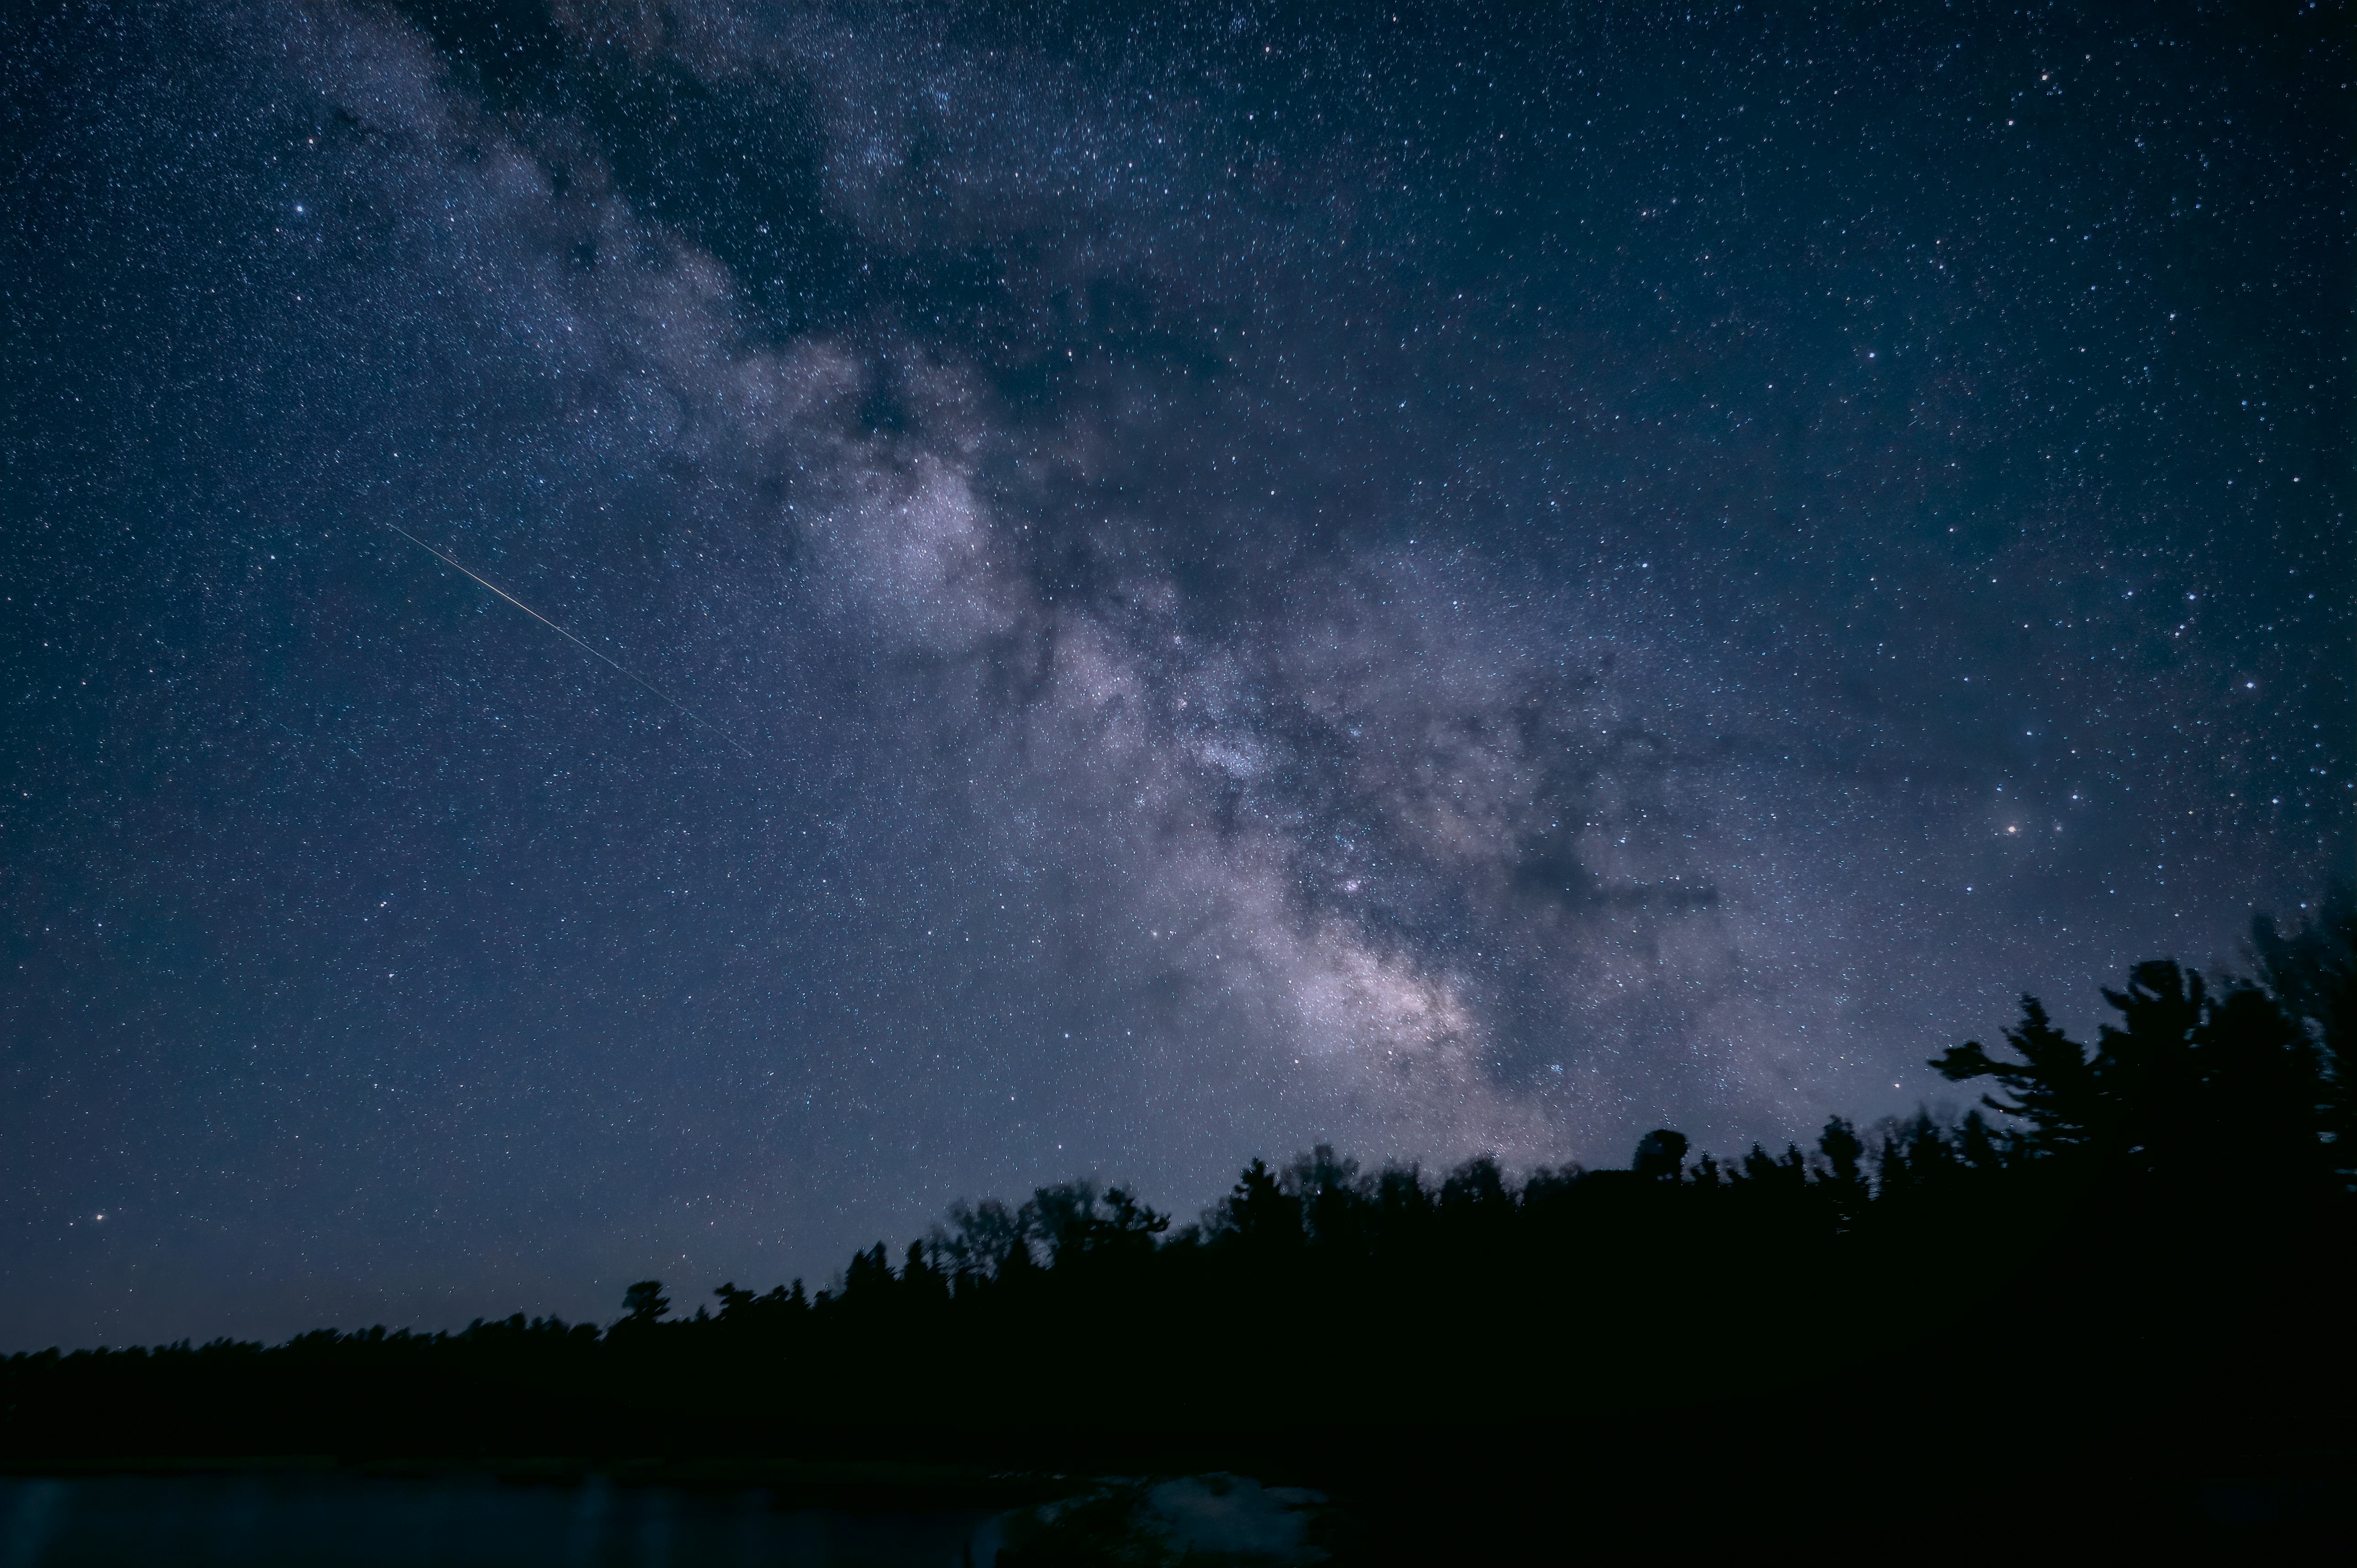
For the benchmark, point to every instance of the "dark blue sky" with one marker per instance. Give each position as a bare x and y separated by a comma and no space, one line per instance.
1471,579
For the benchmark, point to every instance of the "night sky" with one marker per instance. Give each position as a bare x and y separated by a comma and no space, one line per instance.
1477,579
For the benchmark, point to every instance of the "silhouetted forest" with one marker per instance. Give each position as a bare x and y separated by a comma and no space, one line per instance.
2122,1278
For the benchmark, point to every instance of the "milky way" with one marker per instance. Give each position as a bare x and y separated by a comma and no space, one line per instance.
1465,580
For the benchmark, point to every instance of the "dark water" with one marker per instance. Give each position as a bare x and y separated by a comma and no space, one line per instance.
256,1520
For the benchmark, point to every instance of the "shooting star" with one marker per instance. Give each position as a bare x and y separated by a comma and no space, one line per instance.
576,642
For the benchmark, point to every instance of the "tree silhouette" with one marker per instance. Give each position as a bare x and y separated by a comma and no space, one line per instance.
1326,1187
2312,972
1766,1173
644,1303
1661,1155
2312,977
867,1279
1259,1213
1477,1187
1843,1178
2051,1081
976,1240
2188,1087
1126,1228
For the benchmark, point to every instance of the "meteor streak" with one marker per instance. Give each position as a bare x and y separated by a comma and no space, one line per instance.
568,637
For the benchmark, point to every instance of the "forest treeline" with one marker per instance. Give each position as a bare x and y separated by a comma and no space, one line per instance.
2135,1246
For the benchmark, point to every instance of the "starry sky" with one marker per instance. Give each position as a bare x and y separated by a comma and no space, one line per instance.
1471,579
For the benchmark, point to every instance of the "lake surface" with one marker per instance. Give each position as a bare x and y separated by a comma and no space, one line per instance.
308,1519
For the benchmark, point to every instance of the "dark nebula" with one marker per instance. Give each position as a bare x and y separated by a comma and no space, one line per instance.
1479,579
